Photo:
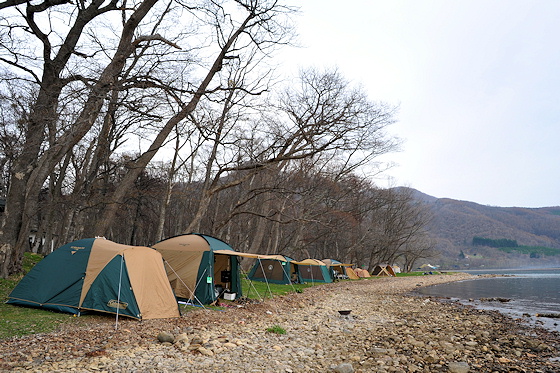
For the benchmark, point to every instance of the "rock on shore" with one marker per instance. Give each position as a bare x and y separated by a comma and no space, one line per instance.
386,331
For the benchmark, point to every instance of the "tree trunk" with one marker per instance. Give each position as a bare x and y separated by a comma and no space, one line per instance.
260,230
30,172
21,201
166,199
194,225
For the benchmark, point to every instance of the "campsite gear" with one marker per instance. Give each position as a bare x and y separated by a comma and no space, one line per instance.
99,275
196,264
314,270
337,269
276,269
218,290
229,296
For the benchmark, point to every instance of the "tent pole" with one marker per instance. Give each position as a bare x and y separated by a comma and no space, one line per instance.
251,286
312,279
196,286
182,282
288,275
119,295
265,279
267,285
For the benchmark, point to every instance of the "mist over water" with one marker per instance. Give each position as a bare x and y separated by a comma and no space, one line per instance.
531,292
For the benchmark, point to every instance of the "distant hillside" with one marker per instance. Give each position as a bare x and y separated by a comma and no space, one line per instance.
455,224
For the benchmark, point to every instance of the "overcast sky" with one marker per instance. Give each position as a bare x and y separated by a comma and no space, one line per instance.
477,82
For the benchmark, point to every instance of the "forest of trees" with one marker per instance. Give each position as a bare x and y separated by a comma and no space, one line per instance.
142,120
498,243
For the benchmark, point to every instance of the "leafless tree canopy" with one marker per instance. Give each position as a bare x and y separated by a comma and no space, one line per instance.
144,119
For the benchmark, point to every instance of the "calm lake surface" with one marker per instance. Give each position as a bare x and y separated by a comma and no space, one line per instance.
531,292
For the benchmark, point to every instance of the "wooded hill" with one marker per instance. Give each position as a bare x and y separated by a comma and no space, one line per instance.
533,232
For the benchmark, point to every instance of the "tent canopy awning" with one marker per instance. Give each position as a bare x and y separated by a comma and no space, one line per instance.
310,262
245,255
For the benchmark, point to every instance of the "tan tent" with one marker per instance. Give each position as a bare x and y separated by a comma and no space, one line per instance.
362,272
99,275
201,267
383,270
351,274
147,277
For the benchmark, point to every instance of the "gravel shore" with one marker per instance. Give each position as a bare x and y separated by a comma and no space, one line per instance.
388,330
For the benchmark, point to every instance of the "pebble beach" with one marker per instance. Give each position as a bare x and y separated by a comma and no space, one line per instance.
387,330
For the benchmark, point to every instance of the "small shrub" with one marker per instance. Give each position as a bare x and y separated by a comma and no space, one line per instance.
277,329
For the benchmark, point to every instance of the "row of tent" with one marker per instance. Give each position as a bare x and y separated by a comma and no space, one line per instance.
96,274
280,269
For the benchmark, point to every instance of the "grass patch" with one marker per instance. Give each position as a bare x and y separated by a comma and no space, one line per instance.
416,273
258,290
276,329
190,307
19,321
409,274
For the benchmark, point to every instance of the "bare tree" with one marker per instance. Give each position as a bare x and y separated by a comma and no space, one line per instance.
32,167
322,118
258,28
14,109
113,52
172,169
398,228
279,170
420,248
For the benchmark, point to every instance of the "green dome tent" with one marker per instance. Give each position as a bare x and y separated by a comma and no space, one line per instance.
314,270
198,264
275,269
100,275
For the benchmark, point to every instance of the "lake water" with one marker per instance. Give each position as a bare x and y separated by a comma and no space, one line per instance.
531,292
